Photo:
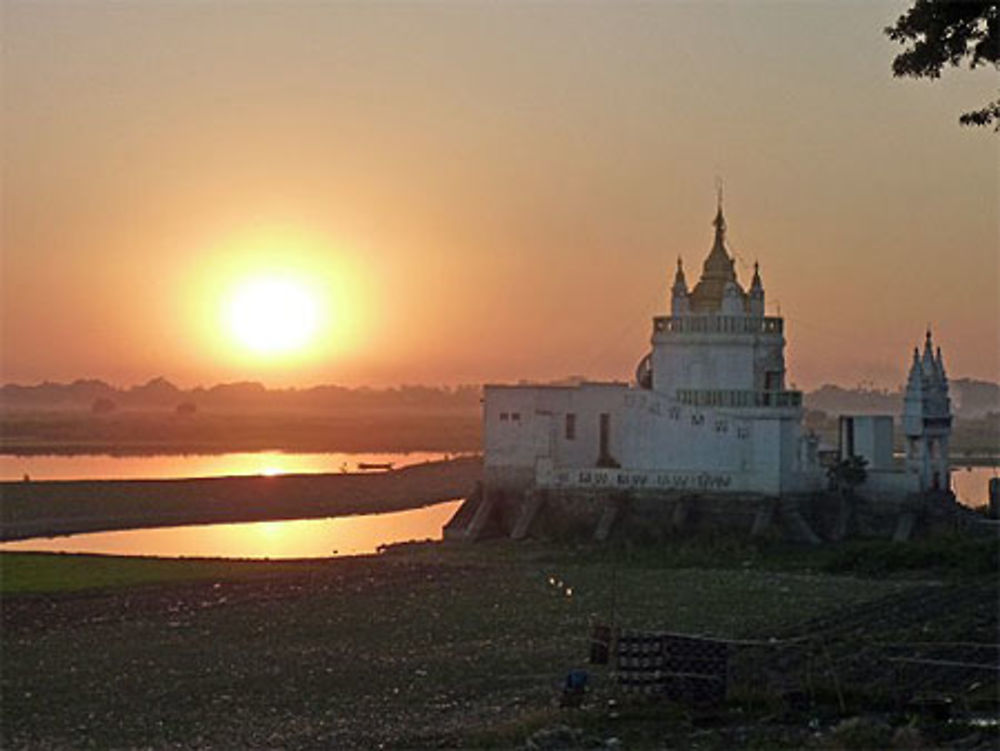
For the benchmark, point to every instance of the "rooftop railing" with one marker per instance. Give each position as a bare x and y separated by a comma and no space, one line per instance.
738,398
716,324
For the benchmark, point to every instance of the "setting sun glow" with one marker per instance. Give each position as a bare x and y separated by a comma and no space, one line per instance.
273,315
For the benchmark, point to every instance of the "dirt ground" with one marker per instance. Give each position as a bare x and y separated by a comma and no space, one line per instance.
438,646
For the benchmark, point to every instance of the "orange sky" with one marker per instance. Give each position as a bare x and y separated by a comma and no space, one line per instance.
481,191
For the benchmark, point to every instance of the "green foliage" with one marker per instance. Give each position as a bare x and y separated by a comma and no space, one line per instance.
712,550
848,473
949,33
45,572
943,555
959,556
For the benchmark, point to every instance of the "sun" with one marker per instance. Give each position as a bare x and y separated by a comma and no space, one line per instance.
273,314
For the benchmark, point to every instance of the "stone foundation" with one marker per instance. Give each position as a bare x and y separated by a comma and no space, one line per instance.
564,514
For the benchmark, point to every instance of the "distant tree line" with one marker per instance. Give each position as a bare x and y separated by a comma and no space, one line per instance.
971,398
103,398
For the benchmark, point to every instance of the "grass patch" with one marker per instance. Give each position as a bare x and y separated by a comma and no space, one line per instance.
946,555
39,573
940,556
936,557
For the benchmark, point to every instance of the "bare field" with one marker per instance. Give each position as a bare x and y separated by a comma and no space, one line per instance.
441,646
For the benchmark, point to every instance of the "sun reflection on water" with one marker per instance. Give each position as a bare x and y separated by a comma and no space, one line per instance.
305,538
268,463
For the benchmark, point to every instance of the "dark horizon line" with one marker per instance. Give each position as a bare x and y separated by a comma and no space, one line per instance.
162,382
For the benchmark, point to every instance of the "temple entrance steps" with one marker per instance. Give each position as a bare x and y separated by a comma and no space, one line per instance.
519,513
904,526
679,517
796,527
764,518
481,519
842,525
457,526
607,521
529,510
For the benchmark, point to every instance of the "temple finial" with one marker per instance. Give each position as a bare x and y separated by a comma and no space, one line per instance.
720,220
679,280
755,282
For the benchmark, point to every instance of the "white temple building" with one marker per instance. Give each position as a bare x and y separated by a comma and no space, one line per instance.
927,419
709,412
926,422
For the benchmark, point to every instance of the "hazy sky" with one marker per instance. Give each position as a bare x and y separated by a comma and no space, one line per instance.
481,190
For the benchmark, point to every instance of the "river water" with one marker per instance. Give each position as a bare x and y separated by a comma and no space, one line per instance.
165,467
306,538
971,484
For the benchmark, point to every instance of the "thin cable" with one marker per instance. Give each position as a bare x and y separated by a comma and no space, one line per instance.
633,322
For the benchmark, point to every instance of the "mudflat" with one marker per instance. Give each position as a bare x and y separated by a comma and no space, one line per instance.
46,508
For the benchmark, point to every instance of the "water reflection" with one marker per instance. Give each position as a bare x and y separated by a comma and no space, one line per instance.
971,484
307,538
104,467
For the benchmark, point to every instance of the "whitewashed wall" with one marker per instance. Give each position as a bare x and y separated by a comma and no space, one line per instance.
714,361
750,450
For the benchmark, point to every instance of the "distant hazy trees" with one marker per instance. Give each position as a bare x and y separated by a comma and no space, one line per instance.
160,393
939,33
102,406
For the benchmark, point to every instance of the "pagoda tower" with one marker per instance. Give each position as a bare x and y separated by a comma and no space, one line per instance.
927,418
717,348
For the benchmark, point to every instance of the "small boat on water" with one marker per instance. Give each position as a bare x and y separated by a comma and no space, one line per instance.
374,465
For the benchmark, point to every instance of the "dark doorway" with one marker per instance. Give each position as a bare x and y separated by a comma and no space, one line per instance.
604,458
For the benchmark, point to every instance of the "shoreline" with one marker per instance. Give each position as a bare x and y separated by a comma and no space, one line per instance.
53,508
